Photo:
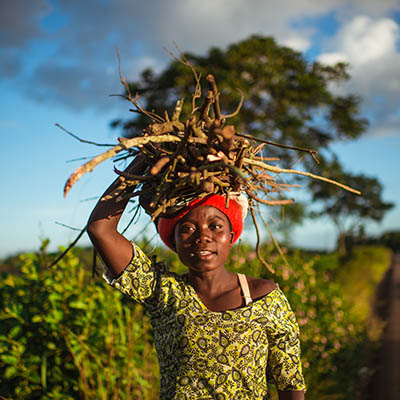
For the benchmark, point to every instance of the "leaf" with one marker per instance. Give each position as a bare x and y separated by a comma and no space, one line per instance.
77,304
51,346
37,318
10,372
9,280
9,359
15,331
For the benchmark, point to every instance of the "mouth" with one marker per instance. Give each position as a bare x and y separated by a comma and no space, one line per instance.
202,253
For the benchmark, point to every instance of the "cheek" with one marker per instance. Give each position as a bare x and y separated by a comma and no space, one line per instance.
226,241
181,242
177,238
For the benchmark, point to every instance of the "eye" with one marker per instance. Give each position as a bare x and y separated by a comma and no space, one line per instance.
186,228
215,226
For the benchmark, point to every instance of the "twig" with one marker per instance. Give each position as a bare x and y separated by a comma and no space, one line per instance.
80,158
269,202
284,146
185,61
82,140
137,210
124,145
213,87
276,244
67,226
135,100
68,248
258,250
296,172
236,112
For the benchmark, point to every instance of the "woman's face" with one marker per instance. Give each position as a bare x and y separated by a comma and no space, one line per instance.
203,239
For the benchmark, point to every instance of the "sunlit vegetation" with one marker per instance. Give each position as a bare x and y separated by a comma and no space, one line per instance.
67,335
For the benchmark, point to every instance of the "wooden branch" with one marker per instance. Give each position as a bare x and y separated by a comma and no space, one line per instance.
281,202
63,254
236,112
296,172
258,251
83,140
213,87
284,146
135,100
124,145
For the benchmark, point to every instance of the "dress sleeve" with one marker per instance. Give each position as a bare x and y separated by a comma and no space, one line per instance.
284,367
138,280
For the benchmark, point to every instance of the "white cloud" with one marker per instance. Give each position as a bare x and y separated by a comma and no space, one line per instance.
370,46
364,40
332,58
84,43
298,43
135,67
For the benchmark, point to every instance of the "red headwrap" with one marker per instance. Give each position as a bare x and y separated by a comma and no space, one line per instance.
234,213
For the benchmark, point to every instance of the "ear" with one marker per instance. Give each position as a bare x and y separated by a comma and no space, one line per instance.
232,236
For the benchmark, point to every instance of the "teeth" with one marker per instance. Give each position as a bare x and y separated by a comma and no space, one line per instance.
203,252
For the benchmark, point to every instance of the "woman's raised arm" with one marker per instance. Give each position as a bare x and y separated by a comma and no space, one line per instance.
114,249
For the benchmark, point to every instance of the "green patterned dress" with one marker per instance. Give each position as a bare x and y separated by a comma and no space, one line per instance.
214,355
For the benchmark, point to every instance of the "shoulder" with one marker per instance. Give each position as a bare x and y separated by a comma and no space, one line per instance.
260,287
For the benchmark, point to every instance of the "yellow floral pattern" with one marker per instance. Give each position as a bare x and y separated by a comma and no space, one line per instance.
214,355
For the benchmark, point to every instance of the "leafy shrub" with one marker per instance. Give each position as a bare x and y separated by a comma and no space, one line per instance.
64,335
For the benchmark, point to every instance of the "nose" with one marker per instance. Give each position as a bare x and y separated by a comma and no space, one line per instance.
203,235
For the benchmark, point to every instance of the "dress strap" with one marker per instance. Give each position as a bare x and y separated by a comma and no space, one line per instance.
245,289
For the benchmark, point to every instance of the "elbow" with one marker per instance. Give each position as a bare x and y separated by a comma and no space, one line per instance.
97,228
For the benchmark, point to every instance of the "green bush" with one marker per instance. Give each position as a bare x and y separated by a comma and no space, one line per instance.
359,276
65,335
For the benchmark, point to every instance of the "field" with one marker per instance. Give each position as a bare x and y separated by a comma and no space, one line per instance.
65,334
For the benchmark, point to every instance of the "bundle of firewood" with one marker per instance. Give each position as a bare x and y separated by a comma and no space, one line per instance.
197,157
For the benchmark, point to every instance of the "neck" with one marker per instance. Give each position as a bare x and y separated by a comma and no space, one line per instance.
212,281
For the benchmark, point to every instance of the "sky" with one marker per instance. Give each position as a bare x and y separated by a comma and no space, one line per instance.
59,65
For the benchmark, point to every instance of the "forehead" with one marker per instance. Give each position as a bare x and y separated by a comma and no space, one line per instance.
204,212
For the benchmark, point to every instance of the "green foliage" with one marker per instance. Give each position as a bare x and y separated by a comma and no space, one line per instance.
348,211
286,98
359,277
65,335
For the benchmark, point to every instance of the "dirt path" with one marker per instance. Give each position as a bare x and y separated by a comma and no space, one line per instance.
385,384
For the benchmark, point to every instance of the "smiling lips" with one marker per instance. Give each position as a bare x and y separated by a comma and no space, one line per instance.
201,253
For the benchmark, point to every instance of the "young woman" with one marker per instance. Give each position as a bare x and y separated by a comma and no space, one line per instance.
218,335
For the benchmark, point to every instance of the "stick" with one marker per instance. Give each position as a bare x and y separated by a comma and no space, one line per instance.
296,172
68,248
253,216
124,145
284,146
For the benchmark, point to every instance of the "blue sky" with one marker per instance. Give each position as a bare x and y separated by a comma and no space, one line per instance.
59,65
